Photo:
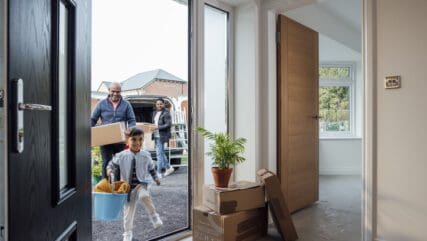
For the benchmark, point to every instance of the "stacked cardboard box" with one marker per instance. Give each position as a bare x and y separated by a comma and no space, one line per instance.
238,212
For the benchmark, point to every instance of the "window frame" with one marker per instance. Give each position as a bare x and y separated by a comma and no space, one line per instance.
349,82
230,57
197,90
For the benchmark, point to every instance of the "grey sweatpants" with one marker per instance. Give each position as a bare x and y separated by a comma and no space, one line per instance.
139,194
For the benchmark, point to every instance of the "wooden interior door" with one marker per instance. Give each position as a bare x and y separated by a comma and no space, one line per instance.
298,101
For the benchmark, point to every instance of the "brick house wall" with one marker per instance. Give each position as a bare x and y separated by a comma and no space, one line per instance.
93,103
167,88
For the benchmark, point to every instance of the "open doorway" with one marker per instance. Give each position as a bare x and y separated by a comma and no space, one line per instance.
143,45
335,214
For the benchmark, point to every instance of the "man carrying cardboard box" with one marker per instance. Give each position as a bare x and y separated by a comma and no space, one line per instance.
111,110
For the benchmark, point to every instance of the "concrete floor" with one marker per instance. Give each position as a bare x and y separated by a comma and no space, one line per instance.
335,217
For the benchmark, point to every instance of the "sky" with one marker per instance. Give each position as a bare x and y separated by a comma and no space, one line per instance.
134,36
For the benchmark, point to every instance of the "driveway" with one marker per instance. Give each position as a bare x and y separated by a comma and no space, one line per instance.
171,201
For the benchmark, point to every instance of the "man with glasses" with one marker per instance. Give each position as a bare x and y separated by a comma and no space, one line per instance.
112,109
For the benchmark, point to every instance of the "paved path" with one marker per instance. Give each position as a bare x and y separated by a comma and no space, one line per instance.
170,199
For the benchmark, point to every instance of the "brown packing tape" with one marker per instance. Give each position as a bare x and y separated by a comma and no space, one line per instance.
255,231
228,206
248,224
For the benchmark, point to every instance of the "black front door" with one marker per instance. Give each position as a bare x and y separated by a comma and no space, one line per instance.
49,190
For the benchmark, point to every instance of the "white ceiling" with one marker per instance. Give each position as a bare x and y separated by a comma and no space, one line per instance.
349,11
340,20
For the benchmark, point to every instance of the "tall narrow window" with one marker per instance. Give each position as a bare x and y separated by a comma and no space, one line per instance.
62,84
63,171
336,99
216,68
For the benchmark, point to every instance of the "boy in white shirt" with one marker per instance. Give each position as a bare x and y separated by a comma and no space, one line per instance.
135,165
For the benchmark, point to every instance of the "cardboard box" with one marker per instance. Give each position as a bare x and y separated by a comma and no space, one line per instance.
172,143
279,209
148,142
238,196
146,127
240,226
108,134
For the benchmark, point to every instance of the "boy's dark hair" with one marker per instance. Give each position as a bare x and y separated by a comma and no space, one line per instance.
134,131
160,99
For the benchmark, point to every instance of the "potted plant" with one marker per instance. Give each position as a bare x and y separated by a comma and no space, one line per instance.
225,152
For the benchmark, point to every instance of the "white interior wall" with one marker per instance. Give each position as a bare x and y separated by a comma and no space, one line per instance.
246,92
401,130
342,156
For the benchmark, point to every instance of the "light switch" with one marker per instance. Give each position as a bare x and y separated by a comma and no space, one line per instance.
392,82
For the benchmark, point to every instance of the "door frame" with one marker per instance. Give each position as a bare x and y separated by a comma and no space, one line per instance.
369,139
369,123
3,87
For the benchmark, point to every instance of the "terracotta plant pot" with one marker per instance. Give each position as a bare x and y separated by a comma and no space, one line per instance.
221,176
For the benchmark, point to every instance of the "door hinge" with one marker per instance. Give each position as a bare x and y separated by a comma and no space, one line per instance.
278,37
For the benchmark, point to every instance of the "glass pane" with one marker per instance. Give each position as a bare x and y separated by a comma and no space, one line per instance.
215,85
144,47
326,72
334,109
63,93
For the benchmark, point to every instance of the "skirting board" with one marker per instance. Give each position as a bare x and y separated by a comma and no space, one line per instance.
340,171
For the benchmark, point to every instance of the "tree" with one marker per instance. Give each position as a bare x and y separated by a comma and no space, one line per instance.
334,106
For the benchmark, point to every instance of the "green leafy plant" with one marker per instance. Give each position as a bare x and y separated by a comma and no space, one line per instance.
97,164
224,150
97,169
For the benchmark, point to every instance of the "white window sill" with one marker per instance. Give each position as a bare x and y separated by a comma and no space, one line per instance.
340,138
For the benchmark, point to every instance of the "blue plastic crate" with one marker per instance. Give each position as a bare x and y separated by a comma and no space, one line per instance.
108,206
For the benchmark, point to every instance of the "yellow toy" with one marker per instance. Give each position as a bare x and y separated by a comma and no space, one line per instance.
105,186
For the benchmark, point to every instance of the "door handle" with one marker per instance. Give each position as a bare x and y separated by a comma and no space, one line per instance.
17,113
317,117
23,106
